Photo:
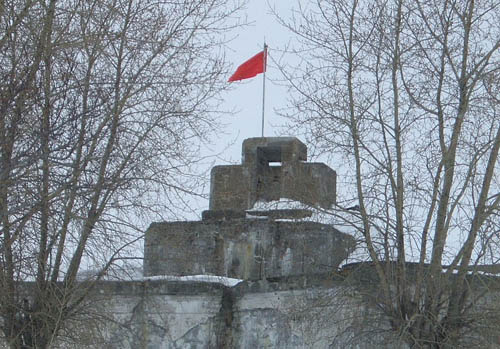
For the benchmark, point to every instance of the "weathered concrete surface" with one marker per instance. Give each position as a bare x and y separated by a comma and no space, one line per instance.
243,248
229,187
272,168
161,314
320,311
314,312
307,318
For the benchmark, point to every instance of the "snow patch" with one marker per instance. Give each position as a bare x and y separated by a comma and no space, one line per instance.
346,221
281,204
230,282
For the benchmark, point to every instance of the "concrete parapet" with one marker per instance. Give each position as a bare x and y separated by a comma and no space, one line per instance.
229,187
273,149
272,168
310,183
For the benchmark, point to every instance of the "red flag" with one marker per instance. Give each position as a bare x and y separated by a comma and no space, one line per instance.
252,67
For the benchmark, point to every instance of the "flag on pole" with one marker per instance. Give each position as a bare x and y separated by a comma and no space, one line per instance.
252,67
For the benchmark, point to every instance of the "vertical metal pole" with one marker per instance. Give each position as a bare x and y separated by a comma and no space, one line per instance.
264,86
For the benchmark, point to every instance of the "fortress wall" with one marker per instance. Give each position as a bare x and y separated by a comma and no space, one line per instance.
313,312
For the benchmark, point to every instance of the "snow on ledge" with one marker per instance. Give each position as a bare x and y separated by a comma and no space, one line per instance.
230,282
281,204
345,220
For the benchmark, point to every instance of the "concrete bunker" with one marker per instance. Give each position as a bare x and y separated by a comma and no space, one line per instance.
230,242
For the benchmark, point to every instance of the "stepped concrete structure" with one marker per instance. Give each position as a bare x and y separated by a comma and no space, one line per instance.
291,294
230,242
285,263
279,277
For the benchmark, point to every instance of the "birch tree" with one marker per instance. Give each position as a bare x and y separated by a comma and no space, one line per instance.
407,94
102,105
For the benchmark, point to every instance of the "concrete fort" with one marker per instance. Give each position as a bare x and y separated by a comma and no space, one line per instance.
235,242
271,277
284,260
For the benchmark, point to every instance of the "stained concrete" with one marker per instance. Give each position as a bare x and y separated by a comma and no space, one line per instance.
293,312
272,168
244,248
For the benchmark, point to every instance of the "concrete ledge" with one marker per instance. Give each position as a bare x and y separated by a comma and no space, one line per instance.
222,215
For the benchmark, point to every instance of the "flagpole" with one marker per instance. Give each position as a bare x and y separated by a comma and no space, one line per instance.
264,85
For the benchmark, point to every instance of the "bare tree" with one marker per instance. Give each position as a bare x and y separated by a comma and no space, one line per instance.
407,92
102,105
